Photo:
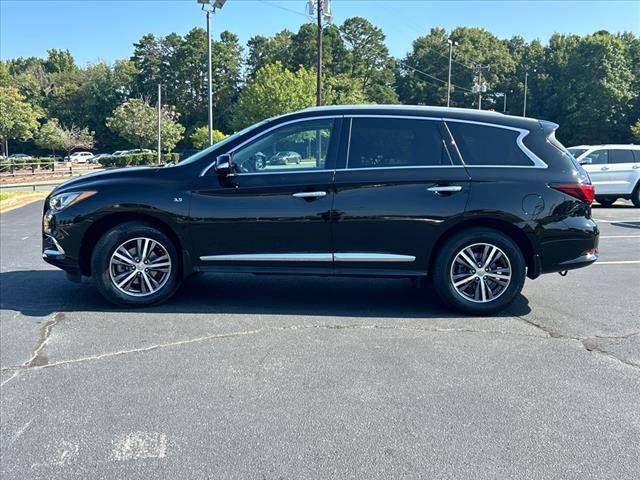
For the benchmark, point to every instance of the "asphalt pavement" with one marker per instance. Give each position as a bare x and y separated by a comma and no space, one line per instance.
249,377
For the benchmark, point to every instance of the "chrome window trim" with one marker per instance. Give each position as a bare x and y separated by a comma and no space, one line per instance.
537,161
309,257
400,167
261,134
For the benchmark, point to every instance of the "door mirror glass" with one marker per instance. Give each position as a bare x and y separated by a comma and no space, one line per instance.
223,164
585,161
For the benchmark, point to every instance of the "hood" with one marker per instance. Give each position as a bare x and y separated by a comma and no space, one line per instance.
96,178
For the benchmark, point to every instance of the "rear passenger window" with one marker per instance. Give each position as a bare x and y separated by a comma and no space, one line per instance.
636,154
485,145
620,156
396,142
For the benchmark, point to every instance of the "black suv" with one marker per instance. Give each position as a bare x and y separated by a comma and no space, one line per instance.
474,200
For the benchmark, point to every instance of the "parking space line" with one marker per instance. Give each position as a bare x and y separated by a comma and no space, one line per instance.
617,262
619,236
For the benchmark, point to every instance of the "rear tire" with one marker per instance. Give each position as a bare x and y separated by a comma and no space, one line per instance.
135,265
635,196
606,202
494,280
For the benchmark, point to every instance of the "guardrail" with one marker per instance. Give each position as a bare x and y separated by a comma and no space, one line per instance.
18,171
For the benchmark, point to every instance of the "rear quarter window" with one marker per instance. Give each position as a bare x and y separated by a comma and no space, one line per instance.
487,145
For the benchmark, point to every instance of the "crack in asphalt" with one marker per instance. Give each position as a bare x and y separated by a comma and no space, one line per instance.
590,344
39,356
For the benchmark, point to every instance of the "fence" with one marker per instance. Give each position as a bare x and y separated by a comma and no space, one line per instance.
36,169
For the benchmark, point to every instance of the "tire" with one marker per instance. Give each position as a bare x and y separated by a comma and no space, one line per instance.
606,202
146,285
450,266
635,196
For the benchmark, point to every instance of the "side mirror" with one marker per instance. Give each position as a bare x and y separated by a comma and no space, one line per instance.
585,161
223,164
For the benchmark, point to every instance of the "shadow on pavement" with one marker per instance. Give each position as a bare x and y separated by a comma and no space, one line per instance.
42,292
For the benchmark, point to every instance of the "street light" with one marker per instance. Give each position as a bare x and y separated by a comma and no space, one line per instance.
526,78
451,44
209,7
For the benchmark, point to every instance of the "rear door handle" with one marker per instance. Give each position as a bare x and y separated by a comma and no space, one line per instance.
310,194
445,188
636,166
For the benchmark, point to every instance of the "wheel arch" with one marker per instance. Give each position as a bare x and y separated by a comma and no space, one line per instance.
100,226
516,234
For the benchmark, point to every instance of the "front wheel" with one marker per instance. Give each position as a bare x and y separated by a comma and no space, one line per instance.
479,271
135,264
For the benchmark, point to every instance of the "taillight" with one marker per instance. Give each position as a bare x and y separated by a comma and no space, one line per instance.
581,191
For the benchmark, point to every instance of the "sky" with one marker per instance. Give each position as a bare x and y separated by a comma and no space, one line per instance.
105,30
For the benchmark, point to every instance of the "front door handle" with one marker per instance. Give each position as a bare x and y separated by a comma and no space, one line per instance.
636,166
604,168
310,194
445,188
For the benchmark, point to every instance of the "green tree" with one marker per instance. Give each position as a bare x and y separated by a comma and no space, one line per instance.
274,90
635,130
137,122
74,137
18,118
266,50
51,136
200,137
59,61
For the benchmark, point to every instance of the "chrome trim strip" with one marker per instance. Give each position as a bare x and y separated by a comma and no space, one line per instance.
59,250
270,257
372,257
296,120
52,253
346,162
398,167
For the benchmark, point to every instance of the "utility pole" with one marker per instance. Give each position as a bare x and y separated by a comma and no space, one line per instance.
451,44
319,60
159,123
479,85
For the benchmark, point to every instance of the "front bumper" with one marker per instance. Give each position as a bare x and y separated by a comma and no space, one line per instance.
61,235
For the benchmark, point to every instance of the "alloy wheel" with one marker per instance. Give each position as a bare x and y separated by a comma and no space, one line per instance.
480,273
140,267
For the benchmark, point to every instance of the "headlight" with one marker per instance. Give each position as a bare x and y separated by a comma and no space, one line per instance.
63,200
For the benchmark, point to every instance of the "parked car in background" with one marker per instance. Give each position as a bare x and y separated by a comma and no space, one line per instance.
475,200
282,158
80,157
614,171
96,158
20,156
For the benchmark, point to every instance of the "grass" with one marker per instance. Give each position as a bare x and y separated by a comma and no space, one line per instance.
10,200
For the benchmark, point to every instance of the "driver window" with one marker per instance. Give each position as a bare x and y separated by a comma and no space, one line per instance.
297,146
598,157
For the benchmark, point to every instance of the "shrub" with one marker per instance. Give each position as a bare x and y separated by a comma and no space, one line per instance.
46,163
170,157
133,159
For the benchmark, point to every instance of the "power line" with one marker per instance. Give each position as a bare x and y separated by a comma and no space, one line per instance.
291,10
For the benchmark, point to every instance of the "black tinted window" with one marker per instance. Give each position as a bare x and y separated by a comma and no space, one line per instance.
396,142
484,145
636,154
620,156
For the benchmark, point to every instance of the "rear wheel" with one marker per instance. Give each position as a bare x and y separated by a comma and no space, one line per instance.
479,271
606,202
635,196
135,264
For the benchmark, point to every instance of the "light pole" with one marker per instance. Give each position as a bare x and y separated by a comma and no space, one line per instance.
209,7
159,123
451,44
526,78
321,9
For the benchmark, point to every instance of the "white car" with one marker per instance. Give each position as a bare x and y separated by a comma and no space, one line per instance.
614,171
80,157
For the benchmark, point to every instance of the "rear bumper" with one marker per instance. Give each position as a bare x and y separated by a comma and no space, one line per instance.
577,248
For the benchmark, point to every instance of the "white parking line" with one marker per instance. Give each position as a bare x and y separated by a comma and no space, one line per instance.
619,236
618,262
616,221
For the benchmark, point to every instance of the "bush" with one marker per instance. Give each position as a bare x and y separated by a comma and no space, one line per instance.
170,157
133,159
45,163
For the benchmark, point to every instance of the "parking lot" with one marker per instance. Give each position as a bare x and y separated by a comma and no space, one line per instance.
266,378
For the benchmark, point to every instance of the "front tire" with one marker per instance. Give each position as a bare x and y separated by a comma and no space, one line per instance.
635,196
135,265
479,271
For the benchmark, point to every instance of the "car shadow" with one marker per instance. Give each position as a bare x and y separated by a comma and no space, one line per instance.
42,292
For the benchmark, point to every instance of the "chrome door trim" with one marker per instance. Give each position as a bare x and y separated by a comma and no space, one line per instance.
445,188
264,132
309,257
372,257
310,194
270,257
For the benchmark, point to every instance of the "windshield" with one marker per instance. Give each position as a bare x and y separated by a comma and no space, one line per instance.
203,153
576,152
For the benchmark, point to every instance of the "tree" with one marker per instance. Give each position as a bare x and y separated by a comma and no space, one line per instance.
200,137
50,136
59,61
635,130
75,137
18,118
266,50
137,122
274,90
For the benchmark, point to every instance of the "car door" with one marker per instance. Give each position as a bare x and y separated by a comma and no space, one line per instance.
623,170
596,163
266,216
395,188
